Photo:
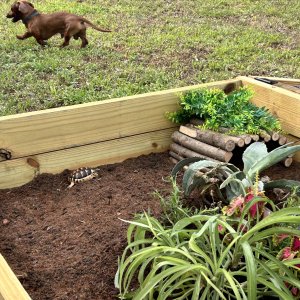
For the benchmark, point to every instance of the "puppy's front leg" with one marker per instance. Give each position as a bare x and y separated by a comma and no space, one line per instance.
41,42
26,35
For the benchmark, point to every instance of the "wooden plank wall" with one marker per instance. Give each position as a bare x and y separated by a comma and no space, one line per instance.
282,103
10,286
87,134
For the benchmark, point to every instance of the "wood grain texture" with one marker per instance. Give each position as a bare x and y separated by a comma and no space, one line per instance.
10,286
291,138
283,104
288,87
210,137
200,147
280,79
17,172
61,128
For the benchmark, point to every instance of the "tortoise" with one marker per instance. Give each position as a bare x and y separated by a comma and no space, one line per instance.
82,174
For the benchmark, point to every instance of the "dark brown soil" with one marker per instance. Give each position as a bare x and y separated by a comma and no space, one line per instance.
64,243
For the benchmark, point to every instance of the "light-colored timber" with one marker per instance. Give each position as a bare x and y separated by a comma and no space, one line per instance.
285,83
54,133
60,128
17,172
296,140
44,132
284,104
280,79
288,87
282,140
10,286
254,137
246,137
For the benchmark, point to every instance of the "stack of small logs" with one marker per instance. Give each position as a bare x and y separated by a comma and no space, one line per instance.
191,141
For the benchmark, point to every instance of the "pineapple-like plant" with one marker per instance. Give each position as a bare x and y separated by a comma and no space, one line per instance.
205,174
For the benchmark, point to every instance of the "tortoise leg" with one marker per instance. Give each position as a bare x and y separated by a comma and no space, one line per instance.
71,184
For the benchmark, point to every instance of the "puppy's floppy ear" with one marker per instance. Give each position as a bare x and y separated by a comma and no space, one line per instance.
23,6
30,4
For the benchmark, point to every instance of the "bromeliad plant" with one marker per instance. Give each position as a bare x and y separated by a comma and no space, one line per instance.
205,174
209,257
234,111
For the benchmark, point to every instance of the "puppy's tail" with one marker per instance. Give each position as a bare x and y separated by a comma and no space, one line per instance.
94,26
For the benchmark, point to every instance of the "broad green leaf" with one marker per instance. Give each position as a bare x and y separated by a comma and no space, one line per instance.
230,178
183,163
282,183
270,159
252,154
190,178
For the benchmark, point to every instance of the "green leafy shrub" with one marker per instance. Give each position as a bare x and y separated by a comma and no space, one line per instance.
234,111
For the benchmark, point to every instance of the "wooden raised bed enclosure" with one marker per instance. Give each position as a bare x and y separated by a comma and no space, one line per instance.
105,132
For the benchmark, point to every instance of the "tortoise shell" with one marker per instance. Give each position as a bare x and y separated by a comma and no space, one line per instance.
82,174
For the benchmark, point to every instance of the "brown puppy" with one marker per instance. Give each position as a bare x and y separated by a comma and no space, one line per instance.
44,26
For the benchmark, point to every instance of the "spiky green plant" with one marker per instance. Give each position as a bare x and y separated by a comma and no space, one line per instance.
172,206
208,257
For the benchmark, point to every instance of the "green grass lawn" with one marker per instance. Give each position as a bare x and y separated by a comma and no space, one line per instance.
154,45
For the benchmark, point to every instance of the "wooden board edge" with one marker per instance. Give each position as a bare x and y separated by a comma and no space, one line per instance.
61,128
223,84
17,172
280,79
295,139
273,88
10,286
282,103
